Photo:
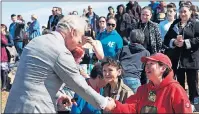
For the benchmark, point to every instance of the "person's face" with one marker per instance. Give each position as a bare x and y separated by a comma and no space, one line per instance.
73,39
171,13
153,70
111,73
54,11
145,15
121,9
185,13
111,24
90,9
102,23
110,10
2,29
14,19
152,1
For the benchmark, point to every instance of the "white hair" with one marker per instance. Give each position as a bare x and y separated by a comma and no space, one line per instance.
72,22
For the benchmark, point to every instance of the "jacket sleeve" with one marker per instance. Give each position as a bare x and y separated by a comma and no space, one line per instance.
48,25
4,41
119,43
123,108
180,101
80,105
66,68
130,105
193,42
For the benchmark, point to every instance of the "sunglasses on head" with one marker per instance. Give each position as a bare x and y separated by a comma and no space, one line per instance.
110,24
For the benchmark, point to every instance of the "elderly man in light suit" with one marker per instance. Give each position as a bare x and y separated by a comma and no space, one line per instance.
47,62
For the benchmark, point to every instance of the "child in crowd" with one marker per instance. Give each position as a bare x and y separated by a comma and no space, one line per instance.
115,88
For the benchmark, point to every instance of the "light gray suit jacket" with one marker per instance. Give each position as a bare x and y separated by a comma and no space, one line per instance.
44,65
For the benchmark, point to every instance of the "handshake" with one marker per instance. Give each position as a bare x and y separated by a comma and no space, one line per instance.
66,101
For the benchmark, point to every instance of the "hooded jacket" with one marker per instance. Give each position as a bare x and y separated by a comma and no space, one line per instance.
168,97
111,42
129,57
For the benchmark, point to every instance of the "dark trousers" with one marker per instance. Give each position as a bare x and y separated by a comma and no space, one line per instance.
4,78
192,81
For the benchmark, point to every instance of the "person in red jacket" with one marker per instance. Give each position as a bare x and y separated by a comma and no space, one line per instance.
4,58
162,94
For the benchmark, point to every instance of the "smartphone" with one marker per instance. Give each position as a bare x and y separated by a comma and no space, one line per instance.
87,33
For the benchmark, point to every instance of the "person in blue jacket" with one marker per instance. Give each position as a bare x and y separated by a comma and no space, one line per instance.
97,82
110,39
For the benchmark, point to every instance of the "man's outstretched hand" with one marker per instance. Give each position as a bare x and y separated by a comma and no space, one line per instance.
65,101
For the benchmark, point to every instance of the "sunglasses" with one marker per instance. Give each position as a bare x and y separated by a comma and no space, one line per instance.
110,24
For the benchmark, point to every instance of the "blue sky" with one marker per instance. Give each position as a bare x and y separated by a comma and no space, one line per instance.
43,9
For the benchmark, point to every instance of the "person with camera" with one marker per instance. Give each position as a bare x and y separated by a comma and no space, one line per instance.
93,51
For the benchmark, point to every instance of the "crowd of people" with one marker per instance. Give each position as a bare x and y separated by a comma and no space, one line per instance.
133,60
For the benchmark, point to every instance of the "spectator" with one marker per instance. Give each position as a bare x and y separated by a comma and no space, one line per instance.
44,67
123,22
153,41
97,82
164,25
116,89
52,21
102,25
93,53
135,9
85,11
19,34
74,13
160,13
34,27
154,4
92,18
129,57
111,12
110,39
59,14
162,94
4,58
182,40
195,12
12,26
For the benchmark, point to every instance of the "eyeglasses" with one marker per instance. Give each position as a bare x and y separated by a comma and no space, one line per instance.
110,24
101,21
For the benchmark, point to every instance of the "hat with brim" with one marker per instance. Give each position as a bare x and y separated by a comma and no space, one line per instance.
159,57
34,16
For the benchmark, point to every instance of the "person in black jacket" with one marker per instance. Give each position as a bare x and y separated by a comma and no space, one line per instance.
52,21
135,9
123,22
93,19
130,59
183,42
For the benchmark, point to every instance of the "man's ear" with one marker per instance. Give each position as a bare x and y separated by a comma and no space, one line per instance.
73,32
